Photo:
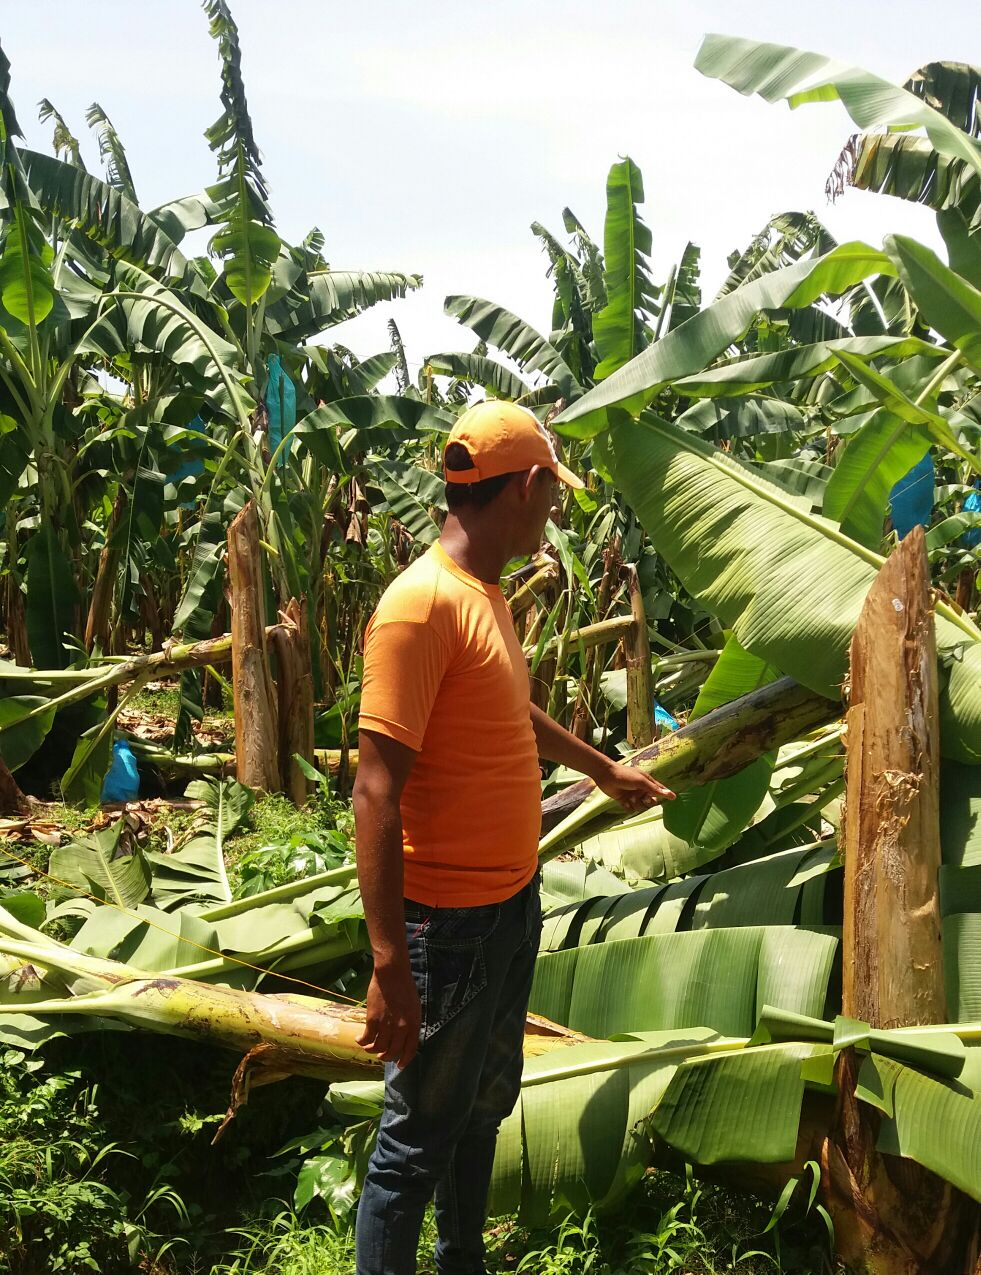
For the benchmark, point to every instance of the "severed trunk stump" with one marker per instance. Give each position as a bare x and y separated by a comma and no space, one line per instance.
640,676
256,726
12,800
891,1216
295,691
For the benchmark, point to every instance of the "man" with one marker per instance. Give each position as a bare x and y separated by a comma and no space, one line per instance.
448,809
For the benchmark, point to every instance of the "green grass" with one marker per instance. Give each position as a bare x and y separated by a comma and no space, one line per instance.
106,1165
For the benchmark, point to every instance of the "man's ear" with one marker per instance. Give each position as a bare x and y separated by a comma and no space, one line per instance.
527,483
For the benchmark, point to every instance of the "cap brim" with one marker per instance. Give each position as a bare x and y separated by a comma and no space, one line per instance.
569,478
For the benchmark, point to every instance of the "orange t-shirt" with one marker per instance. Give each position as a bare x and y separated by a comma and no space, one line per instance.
444,673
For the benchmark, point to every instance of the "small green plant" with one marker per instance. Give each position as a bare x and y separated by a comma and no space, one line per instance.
304,854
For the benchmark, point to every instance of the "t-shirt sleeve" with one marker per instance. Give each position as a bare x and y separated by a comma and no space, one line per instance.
404,663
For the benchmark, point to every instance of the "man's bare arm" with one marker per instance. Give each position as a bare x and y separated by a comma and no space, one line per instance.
631,787
393,1013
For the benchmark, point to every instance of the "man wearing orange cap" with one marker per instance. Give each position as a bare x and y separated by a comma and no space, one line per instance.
448,811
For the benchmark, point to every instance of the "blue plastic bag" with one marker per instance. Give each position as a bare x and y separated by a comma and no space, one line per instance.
194,466
662,718
972,505
122,783
280,403
912,498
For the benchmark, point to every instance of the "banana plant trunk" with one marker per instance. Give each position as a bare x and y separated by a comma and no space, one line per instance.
97,622
256,724
294,684
891,1216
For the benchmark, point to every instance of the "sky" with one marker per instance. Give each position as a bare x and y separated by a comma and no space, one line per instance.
427,137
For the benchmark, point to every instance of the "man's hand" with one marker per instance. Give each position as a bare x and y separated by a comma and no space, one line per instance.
393,1015
631,787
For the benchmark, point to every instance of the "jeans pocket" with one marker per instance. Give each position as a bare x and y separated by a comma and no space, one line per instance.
456,973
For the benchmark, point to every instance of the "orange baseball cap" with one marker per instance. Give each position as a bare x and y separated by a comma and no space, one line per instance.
503,438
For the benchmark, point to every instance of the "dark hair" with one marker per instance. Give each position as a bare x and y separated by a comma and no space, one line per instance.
476,495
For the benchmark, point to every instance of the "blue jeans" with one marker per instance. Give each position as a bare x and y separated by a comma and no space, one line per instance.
473,968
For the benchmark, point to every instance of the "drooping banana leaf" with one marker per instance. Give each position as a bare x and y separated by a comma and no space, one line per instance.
721,418
908,166
806,774
152,318
348,425
320,299
107,217
505,331
481,370
777,72
411,494
746,376
51,598
21,737
576,1137
696,344
946,301
789,583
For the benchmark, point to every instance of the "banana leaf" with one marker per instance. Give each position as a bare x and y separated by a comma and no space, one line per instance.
788,583
97,865
711,816
505,331
705,978
480,370
694,345
620,329
197,870
777,72
782,889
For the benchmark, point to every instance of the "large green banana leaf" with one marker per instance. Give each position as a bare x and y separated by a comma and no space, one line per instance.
783,889
777,72
577,1136
788,583
718,978
745,376
335,431
197,870
946,301
107,217
620,329
95,864
149,317
871,463
695,345
412,494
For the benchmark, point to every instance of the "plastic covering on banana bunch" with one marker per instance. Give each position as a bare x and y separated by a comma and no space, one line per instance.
972,505
280,403
912,498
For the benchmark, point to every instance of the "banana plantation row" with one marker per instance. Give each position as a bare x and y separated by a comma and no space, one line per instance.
190,468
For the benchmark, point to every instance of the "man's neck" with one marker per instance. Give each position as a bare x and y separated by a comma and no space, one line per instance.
476,545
